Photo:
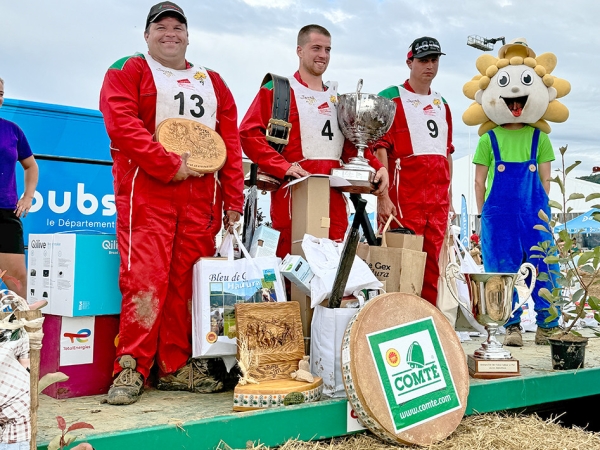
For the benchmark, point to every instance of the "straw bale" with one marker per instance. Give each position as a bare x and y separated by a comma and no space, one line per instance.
479,432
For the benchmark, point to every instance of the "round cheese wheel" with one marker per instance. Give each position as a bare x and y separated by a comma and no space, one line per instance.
404,370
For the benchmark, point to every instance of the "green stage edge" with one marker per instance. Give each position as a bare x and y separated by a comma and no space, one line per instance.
327,418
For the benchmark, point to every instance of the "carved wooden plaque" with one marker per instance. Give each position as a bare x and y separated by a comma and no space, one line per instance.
273,332
205,146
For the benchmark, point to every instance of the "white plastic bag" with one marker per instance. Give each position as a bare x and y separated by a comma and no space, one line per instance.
327,331
323,257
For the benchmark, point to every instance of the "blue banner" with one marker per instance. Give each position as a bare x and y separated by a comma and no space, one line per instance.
464,223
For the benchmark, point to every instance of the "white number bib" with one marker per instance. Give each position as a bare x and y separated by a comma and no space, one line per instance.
185,94
321,136
426,118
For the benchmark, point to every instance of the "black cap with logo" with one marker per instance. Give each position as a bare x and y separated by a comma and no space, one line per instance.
424,46
162,8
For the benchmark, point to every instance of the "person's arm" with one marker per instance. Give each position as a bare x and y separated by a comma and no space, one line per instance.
481,173
450,167
545,170
31,172
254,142
120,98
385,207
231,175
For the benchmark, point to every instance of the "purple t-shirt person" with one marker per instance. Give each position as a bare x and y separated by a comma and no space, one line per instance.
13,147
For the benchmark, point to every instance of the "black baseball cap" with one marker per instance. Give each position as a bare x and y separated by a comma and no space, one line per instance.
424,46
165,7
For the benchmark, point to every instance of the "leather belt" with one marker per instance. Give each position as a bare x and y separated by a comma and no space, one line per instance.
278,129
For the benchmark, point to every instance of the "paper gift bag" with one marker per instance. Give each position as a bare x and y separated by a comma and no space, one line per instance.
401,269
220,283
400,240
328,327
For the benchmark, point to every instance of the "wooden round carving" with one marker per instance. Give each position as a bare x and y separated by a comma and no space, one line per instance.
404,370
206,148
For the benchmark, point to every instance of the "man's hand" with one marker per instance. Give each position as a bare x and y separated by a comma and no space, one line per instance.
23,206
385,208
184,171
230,218
382,179
296,171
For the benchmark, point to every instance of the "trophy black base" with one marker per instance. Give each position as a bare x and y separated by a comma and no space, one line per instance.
492,368
361,181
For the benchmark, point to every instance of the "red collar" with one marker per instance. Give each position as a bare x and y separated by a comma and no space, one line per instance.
406,85
301,81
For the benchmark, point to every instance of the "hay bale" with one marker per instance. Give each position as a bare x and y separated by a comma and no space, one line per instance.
480,432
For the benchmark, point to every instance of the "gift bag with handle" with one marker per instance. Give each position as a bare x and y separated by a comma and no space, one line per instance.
221,282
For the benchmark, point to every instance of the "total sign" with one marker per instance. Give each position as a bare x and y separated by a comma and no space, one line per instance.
77,340
414,373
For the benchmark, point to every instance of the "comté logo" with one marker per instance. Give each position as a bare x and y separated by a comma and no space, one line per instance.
81,336
392,357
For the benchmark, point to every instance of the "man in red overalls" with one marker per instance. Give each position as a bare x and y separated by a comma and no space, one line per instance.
418,148
316,143
167,215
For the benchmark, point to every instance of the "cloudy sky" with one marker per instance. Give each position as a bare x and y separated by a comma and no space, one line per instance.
58,52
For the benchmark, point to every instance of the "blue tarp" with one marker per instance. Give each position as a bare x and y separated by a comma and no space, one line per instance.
584,223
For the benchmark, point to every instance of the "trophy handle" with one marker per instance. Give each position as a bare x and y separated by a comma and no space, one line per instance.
525,270
359,86
453,271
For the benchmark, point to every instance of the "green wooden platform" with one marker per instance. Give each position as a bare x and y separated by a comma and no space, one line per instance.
163,420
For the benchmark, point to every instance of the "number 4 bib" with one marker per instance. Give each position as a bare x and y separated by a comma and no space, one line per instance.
185,94
319,131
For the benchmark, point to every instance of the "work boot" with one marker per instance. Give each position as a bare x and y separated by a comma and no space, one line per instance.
513,337
129,384
198,375
542,335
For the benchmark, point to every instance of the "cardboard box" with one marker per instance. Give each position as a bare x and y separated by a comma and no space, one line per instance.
264,242
296,269
83,348
77,273
310,208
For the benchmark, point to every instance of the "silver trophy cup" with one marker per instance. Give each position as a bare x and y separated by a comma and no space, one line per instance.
491,296
363,119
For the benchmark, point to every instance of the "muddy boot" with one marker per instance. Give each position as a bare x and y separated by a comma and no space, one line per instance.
129,384
542,335
195,376
513,337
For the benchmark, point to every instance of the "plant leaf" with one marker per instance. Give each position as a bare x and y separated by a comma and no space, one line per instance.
79,426
585,257
593,196
543,276
594,303
571,167
69,438
541,228
542,215
62,425
575,196
576,333
554,204
54,443
551,259
563,149
545,293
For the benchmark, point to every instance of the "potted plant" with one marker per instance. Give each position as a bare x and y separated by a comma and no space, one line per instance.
574,285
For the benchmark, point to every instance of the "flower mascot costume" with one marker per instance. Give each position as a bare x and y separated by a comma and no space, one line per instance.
515,95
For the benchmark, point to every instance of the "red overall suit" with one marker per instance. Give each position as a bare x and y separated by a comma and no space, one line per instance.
256,147
163,227
419,184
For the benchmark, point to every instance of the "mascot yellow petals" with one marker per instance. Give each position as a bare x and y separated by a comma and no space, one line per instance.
516,87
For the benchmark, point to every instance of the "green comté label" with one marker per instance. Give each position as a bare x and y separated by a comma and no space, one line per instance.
413,373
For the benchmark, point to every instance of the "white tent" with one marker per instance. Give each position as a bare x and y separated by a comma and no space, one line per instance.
463,182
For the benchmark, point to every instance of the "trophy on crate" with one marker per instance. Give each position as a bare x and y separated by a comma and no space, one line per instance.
491,296
363,118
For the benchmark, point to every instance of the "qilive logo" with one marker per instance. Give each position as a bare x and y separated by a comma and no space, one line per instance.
110,245
413,372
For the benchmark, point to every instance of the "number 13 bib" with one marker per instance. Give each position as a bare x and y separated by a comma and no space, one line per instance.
185,94
319,131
